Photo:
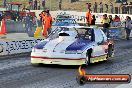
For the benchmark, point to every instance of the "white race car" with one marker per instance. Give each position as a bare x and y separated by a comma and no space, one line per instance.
73,46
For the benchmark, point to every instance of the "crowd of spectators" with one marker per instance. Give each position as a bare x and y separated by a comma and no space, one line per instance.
36,4
126,8
109,21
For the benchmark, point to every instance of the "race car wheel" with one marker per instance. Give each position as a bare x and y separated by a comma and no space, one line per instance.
88,56
110,51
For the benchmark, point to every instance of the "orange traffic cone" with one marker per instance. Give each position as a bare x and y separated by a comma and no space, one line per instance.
3,28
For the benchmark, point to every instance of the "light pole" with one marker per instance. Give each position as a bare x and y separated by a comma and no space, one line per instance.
50,5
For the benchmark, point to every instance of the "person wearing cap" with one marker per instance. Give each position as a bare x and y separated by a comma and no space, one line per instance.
88,17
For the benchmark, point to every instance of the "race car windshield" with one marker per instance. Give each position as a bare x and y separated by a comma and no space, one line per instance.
85,33
55,33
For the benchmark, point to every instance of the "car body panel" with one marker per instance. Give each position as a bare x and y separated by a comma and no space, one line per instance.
70,47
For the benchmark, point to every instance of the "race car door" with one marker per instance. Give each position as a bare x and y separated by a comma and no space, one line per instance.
99,48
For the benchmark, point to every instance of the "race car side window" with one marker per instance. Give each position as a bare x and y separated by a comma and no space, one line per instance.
92,35
55,34
86,33
98,36
89,34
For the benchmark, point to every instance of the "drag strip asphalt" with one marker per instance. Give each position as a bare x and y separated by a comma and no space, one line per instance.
17,72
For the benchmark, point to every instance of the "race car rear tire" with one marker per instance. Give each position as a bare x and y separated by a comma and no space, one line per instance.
88,56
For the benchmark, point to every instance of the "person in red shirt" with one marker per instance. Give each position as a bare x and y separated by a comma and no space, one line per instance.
116,19
88,17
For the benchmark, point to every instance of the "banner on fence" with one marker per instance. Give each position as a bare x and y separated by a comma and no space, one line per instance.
80,16
8,47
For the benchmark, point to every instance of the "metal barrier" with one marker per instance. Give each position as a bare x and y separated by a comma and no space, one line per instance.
117,33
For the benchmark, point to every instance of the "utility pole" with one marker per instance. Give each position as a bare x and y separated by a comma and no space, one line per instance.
50,5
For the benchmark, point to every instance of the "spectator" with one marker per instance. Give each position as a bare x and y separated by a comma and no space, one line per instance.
106,5
105,23
95,7
89,6
116,21
28,23
128,27
130,7
35,4
123,9
38,5
4,3
43,4
88,17
31,4
93,20
35,21
59,5
116,18
112,7
111,20
101,7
